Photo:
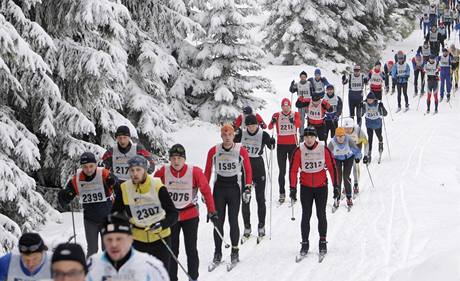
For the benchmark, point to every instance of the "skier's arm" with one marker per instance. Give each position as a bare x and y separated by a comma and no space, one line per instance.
325,82
160,174
144,152
238,121
339,107
354,148
407,72
302,102
201,182
209,162
331,145
168,205
362,139
246,165
118,205
66,195
330,164
326,106
155,268
365,79
4,266
274,117
238,135
268,141
261,122
107,159
293,87
296,119
294,168
382,109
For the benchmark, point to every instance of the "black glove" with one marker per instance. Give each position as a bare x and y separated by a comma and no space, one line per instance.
344,78
292,83
291,119
154,228
365,159
247,193
336,191
272,141
273,120
293,193
357,160
213,218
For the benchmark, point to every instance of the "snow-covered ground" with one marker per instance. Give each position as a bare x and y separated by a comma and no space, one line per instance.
406,228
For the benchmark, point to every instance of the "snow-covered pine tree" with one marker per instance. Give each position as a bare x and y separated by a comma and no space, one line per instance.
226,55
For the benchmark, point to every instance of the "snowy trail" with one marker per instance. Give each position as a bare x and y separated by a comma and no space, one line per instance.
406,228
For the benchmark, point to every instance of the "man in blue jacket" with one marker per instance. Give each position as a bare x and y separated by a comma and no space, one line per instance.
401,72
31,263
318,83
445,62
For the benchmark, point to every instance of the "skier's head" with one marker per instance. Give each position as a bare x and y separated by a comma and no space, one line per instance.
247,110
177,156
390,64
303,76
68,261
401,57
418,57
251,123
32,249
377,65
432,58
316,97
227,133
370,97
88,163
445,52
123,136
330,90
116,236
348,125
441,24
317,74
340,134
309,135
433,28
356,68
286,105
137,167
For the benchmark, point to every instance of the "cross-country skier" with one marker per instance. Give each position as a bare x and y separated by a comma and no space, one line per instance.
228,159
318,83
401,72
183,182
356,81
425,50
359,137
120,261
68,263
286,123
345,153
254,140
247,110
373,111
316,108
455,63
332,117
94,186
434,38
376,79
387,74
442,34
116,158
425,23
432,72
417,66
146,201
445,61
312,158
433,14
302,88
448,19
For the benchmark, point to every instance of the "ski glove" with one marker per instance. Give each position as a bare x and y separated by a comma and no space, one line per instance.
247,193
155,228
213,218
273,120
344,79
293,193
357,160
272,141
365,159
291,119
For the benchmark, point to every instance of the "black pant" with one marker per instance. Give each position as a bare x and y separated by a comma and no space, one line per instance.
418,72
344,170
402,89
353,105
331,125
156,249
258,169
283,152
307,196
92,231
370,135
190,229
227,194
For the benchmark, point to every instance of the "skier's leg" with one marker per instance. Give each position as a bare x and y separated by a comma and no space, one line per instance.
282,154
175,241
347,166
399,87
233,201
245,207
406,98
190,229
320,195
306,199
92,237
370,136
219,202
449,85
260,198
416,72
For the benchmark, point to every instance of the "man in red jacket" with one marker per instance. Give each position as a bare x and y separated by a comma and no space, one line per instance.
312,158
315,108
183,182
228,160
287,122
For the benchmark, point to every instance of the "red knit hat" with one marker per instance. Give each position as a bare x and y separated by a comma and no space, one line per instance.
285,101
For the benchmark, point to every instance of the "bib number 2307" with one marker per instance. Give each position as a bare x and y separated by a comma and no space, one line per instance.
146,212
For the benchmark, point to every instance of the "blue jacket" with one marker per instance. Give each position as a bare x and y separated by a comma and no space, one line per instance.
313,82
402,77
5,264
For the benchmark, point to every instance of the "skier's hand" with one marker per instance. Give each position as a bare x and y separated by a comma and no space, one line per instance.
247,193
365,159
357,159
272,141
291,119
274,120
155,228
387,89
344,78
213,218
292,83
336,191
293,193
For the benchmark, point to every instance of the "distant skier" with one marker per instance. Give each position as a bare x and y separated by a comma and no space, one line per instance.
318,83
448,19
377,80
434,38
455,63
442,34
247,110
312,158
388,67
425,23
417,66
333,116
445,62
286,123
356,82
425,50
432,72
303,89
401,73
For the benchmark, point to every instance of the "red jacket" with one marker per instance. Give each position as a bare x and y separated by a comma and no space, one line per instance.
199,182
239,120
312,180
288,139
243,154
305,102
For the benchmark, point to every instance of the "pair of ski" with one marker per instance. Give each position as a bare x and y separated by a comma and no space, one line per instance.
335,208
428,113
214,265
399,109
244,239
300,257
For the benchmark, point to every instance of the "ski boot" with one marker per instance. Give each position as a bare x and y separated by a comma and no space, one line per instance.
448,98
380,147
356,189
428,111
456,86
247,231
282,198
234,255
349,202
441,99
335,205
304,248
261,230
322,246
436,111
342,195
369,157
217,258
415,94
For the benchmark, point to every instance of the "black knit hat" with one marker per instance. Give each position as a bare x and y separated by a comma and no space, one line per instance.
247,110
116,222
87,157
138,160
310,131
303,73
31,243
250,120
177,150
70,252
123,131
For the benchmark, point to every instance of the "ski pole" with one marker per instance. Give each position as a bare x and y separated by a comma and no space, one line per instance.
174,256
386,136
370,177
271,187
292,210
221,237
73,226
389,107
418,103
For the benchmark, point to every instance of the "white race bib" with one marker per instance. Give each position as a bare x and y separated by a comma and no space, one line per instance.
312,160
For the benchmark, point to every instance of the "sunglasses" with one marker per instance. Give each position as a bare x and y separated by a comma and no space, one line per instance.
31,248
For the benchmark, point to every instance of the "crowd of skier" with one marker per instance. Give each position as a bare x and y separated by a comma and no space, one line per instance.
139,210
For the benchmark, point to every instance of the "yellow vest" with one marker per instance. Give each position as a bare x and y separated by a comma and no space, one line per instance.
145,206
